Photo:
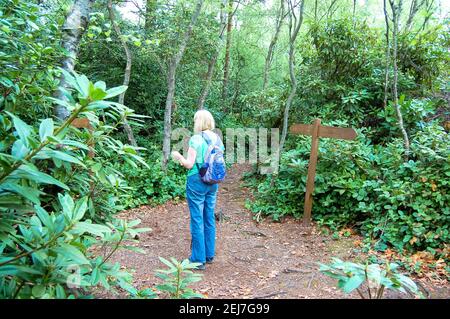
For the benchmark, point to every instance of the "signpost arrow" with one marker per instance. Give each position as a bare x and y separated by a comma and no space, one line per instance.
315,131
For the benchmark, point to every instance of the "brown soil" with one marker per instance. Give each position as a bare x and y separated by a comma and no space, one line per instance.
253,260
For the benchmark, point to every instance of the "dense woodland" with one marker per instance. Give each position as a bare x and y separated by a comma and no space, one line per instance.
138,69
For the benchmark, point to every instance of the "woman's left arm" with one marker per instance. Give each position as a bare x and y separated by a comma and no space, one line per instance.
186,162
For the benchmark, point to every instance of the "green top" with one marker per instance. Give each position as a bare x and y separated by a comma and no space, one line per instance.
198,143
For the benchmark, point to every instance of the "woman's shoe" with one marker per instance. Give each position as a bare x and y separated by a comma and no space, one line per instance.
209,260
202,266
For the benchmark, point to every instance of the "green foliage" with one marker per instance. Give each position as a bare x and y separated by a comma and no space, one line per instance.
58,202
415,113
51,192
424,55
177,279
151,185
29,49
369,187
342,49
352,276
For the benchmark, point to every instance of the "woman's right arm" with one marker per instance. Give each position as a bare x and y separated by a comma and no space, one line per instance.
186,162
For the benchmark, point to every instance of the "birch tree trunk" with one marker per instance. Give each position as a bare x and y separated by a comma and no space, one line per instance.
269,56
213,61
396,11
171,76
73,29
127,74
294,26
226,67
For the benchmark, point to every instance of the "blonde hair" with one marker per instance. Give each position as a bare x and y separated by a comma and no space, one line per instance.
203,120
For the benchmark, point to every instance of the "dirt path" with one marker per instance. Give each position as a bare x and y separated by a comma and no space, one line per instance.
266,260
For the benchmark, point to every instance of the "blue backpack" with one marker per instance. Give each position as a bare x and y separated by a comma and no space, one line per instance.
213,169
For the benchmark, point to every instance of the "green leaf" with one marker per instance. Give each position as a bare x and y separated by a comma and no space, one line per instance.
19,150
168,263
352,283
29,193
83,85
22,128
80,208
95,229
101,85
60,292
72,253
31,173
115,91
66,104
96,93
38,291
9,270
46,129
95,276
49,153
43,216
75,144
98,105
69,78
67,204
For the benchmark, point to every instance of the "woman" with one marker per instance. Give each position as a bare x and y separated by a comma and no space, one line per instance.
201,197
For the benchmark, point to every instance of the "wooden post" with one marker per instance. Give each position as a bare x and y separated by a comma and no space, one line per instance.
311,172
316,131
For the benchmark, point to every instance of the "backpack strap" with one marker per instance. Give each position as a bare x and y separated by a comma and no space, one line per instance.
207,142
206,138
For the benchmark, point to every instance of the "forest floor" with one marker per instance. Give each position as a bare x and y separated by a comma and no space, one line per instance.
253,260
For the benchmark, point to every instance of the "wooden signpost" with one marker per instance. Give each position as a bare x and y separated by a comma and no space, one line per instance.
315,131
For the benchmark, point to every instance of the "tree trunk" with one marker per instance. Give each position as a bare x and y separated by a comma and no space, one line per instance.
73,29
150,13
213,61
226,68
429,10
294,26
127,74
208,80
171,77
396,11
388,55
413,9
269,56
330,11
315,11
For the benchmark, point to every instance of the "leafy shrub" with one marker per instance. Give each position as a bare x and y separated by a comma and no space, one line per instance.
28,52
150,184
424,54
370,187
53,195
414,111
177,278
351,276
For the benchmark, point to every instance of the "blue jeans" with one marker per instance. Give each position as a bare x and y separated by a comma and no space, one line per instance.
201,200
